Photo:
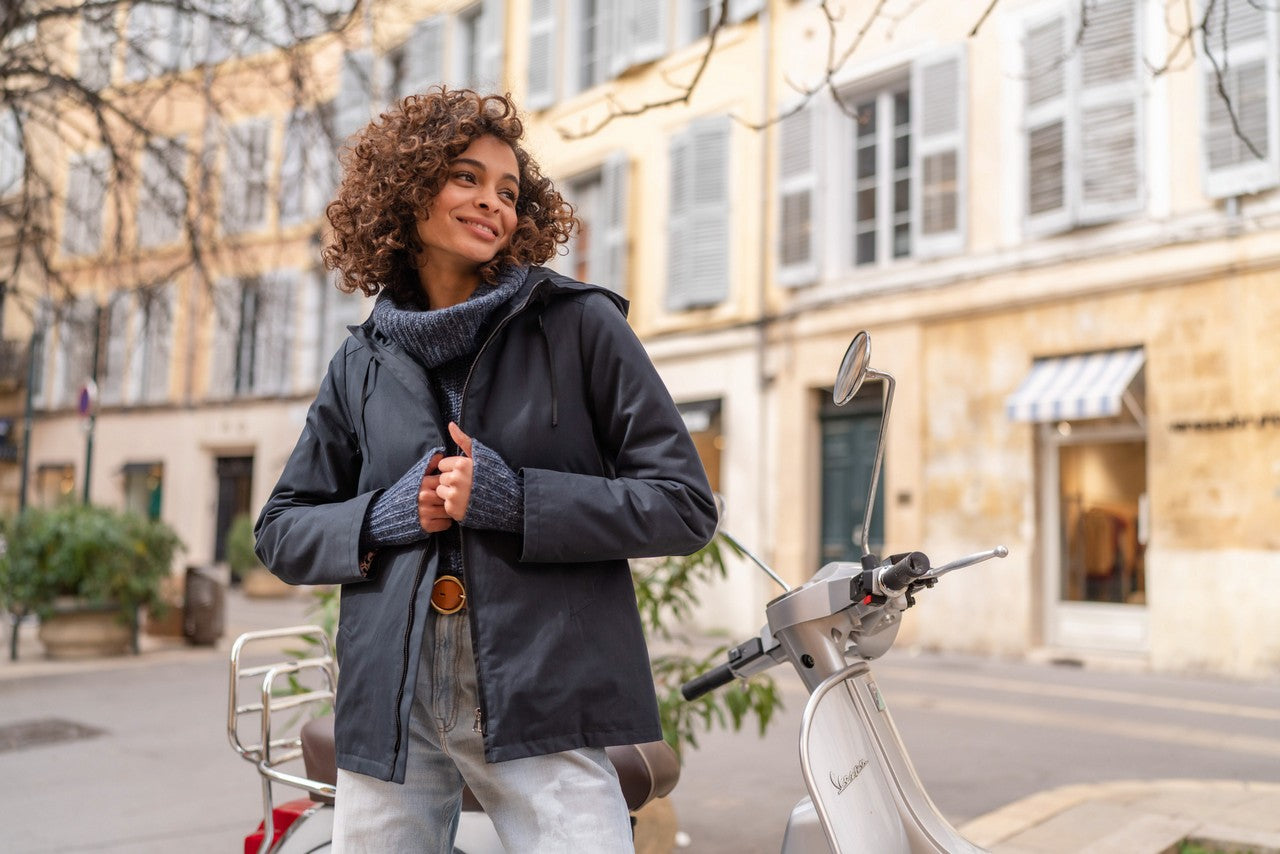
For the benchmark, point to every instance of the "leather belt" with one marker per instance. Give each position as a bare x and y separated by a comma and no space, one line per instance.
448,596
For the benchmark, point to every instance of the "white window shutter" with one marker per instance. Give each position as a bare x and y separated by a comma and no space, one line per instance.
86,193
609,248
679,215
492,47
1046,54
226,299
13,157
703,276
355,93
646,37
42,353
162,199
798,220
423,57
1110,115
1240,157
741,10
543,55
939,194
97,46
115,363
274,331
157,347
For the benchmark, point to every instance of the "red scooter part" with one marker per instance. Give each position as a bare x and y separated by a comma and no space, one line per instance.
284,815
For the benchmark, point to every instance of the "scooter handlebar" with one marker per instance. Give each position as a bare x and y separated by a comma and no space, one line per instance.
709,681
904,571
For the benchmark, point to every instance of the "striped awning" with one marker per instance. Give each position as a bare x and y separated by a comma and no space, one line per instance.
1067,388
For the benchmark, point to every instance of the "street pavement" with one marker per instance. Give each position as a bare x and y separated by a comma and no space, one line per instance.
1022,756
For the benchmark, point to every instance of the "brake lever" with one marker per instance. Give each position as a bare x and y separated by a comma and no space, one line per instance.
939,571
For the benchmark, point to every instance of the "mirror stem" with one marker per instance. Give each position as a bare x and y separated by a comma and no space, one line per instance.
733,541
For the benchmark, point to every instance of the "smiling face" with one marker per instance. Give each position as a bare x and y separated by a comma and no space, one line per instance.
473,216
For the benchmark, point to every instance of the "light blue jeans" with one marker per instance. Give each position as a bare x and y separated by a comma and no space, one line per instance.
563,802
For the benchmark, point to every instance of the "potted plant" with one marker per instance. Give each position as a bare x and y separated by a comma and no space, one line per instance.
255,579
84,571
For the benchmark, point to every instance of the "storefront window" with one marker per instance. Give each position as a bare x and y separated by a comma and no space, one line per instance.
55,483
1103,494
702,420
143,488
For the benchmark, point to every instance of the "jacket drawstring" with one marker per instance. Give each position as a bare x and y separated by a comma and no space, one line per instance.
551,366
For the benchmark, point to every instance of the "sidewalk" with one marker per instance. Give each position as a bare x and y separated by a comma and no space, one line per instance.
1137,817
1129,817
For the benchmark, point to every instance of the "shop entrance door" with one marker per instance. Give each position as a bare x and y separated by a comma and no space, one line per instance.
235,486
1095,529
849,436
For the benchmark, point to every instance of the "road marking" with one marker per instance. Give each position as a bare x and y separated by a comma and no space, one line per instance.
1208,738
1104,695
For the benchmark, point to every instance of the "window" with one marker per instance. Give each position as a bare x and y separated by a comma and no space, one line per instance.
1239,54
97,46
599,39
244,177
55,483
478,38
702,420
697,17
143,488
162,196
77,336
254,337
86,193
419,62
309,170
355,93
468,42
894,172
158,40
326,313
1082,117
699,216
149,364
597,254
13,157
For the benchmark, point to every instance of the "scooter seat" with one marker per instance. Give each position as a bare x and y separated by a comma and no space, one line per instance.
646,771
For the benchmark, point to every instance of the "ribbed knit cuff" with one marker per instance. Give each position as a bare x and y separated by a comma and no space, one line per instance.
392,519
497,493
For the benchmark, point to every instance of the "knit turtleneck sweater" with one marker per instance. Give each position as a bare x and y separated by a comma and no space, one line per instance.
445,342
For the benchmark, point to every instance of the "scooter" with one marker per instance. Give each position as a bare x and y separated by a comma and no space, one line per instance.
864,795
278,707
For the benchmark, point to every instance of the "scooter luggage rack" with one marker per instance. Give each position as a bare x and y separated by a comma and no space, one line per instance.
270,753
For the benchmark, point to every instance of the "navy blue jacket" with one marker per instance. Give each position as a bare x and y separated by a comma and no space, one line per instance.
564,391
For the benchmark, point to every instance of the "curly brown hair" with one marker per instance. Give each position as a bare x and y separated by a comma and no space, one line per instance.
394,169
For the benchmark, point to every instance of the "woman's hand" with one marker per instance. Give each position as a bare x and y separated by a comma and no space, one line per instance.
431,513
454,489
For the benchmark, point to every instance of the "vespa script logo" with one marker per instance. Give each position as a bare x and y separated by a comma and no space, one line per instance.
842,782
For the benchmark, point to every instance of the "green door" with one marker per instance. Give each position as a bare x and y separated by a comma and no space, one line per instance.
848,454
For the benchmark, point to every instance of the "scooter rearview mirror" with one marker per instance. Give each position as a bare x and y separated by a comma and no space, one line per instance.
853,369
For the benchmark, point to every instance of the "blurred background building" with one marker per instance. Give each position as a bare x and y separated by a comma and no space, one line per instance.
1059,221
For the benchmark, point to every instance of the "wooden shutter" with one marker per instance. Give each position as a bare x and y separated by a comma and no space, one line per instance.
114,367
157,342
423,65
543,56
97,46
798,137
609,246
699,245
274,331
938,165
86,193
1046,53
740,10
226,298
645,38
355,87
492,47
1110,114
1243,156
162,198
13,158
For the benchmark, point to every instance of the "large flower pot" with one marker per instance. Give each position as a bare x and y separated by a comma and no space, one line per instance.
82,632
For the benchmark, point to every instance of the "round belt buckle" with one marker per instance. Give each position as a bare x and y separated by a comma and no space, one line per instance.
448,595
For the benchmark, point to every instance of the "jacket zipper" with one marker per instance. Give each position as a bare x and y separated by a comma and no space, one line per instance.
478,726
404,661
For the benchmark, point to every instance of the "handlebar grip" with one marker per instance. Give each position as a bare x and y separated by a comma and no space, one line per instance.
912,566
709,681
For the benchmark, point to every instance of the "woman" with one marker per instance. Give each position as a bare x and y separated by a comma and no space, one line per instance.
484,454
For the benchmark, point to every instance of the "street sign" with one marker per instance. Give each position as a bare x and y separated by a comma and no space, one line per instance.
87,401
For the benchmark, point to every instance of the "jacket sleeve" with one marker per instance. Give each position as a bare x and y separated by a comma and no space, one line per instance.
309,530
657,501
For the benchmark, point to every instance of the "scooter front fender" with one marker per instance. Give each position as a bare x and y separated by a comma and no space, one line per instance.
864,789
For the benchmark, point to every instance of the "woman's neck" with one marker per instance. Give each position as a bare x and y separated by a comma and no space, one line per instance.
447,285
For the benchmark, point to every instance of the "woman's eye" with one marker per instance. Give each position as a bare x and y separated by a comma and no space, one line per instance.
509,196
465,176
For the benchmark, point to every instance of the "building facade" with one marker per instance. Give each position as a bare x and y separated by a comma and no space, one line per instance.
1059,231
